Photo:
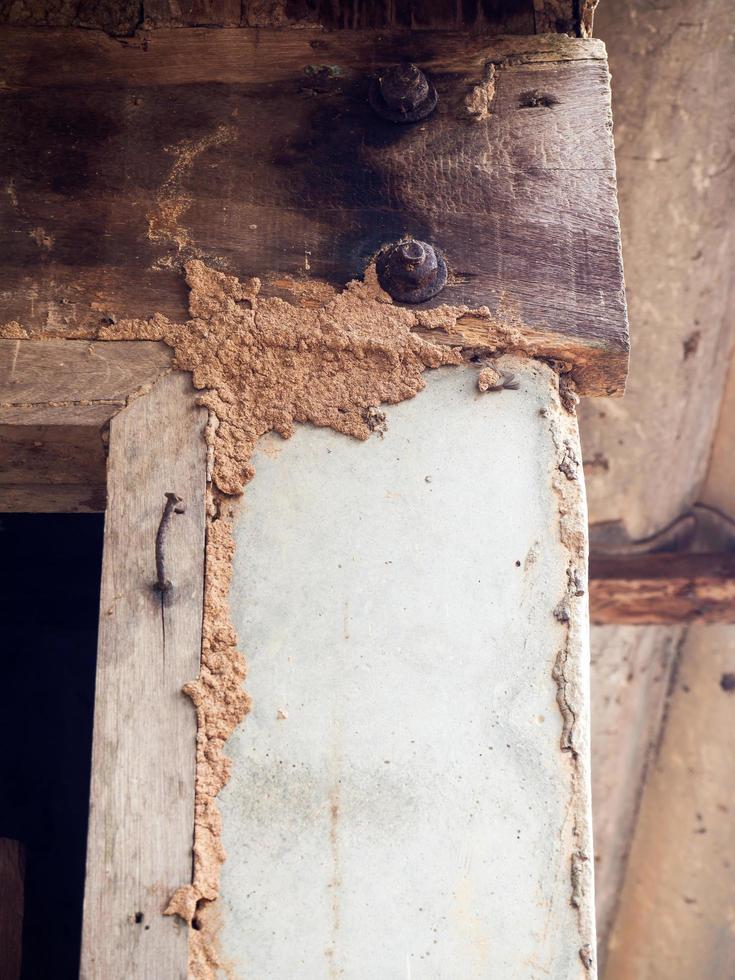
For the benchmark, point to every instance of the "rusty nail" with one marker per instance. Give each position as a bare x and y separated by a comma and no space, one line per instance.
402,94
411,271
173,505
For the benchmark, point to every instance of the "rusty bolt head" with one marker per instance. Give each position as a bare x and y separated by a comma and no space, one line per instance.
403,94
411,271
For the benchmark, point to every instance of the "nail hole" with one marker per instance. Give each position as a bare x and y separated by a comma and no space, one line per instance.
138,918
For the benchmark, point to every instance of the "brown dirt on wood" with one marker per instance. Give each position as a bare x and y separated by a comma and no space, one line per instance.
262,365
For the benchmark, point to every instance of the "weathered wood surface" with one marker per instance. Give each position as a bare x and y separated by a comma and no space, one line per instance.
11,908
675,918
56,398
258,151
123,17
52,456
142,787
665,588
65,371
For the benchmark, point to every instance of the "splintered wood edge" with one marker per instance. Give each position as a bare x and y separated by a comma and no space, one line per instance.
598,368
663,589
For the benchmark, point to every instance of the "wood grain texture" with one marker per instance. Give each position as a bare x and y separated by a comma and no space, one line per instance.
142,788
663,588
62,371
51,455
53,498
258,151
12,877
122,17
56,400
53,458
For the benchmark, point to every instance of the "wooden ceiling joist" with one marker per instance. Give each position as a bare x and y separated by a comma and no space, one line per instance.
663,589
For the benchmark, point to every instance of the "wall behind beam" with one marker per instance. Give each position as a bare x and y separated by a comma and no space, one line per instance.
646,455
673,92
676,913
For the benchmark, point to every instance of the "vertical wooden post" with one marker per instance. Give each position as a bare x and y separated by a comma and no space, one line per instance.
142,787
11,908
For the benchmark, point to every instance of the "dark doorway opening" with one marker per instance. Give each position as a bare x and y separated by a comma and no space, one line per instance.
50,567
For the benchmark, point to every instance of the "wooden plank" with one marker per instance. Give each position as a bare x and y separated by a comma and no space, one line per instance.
663,588
94,415
124,16
44,454
56,399
59,371
142,787
150,158
53,498
11,908
53,459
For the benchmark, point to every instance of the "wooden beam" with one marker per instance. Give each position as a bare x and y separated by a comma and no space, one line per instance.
12,879
124,17
143,761
56,400
128,159
663,588
60,372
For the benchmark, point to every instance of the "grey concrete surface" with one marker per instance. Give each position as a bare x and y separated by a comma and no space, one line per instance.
399,805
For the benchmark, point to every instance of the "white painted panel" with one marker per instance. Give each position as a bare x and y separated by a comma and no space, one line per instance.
399,803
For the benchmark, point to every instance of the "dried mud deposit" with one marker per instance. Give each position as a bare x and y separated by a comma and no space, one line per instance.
261,365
